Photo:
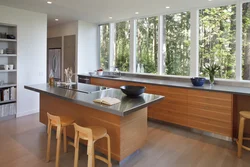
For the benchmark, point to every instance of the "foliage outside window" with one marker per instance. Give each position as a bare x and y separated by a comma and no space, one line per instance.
177,35
246,41
217,40
104,46
122,45
147,44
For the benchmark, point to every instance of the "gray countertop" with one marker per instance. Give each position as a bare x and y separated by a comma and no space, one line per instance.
127,105
180,84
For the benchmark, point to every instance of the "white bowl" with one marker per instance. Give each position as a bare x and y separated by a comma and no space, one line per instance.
99,72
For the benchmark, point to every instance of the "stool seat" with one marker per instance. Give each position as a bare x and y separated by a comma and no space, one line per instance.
66,121
245,114
98,132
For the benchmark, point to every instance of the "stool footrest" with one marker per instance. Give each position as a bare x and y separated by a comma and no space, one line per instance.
246,148
102,159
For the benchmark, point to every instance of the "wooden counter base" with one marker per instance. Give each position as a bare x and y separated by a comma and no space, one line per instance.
127,134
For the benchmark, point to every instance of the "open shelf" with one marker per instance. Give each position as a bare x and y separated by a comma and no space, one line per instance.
7,85
7,101
8,55
7,40
7,70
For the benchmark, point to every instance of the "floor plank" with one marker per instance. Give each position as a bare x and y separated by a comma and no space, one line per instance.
23,144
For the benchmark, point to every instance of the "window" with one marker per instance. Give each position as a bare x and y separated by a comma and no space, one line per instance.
177,46
217,40
147,45
122,45
104,46
246,41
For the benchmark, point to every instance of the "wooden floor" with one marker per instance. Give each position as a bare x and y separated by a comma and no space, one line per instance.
23,144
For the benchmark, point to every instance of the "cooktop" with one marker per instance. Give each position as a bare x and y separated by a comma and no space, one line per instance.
85,88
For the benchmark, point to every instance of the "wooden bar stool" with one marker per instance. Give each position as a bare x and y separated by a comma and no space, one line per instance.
60,122
91,134
243,116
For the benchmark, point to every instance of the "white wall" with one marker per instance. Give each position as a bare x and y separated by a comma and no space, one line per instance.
31,54
88,46
63,30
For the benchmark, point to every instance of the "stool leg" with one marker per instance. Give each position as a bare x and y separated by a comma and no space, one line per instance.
240,136
90,154
109,151
65,144
76,151
48,142
58,136
93,154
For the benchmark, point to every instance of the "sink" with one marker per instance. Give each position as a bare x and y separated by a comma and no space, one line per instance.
110,76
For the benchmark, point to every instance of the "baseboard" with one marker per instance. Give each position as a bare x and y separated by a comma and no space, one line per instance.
27,113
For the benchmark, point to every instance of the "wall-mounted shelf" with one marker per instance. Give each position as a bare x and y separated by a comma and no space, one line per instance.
8,71
8,55
7,85
7,101
7,40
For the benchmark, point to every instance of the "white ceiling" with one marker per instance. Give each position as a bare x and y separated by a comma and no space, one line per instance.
99,11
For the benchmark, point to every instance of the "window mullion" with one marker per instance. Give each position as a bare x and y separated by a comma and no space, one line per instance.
239,40
194,56
161,42
111,46
133,45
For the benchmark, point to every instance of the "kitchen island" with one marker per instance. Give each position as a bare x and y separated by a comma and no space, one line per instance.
126,122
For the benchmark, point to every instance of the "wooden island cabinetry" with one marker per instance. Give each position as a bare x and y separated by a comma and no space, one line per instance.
203,110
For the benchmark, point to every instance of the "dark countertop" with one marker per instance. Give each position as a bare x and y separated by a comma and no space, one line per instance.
180,84
127,105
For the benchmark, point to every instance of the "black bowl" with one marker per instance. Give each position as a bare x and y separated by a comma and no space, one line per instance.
198,81
133,91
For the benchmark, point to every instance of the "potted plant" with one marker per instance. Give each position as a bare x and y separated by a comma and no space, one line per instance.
211,69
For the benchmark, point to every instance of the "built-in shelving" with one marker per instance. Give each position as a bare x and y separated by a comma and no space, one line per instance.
7,40
8,55
8,77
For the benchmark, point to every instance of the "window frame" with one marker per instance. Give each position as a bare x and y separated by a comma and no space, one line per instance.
194,57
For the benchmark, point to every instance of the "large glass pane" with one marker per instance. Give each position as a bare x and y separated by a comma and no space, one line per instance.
147,45
217,40
122,45
177,34
246,42
104,46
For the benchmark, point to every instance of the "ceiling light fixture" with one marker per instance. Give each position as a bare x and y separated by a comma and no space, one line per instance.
110,17
136,12
210,0
167,7
49,2
56,19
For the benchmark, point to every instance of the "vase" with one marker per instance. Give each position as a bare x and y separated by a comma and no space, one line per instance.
211,79
68,79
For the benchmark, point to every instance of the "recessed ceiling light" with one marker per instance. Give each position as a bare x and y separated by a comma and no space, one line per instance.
136,12
49,2
110,17
210,0
56,19
167,7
